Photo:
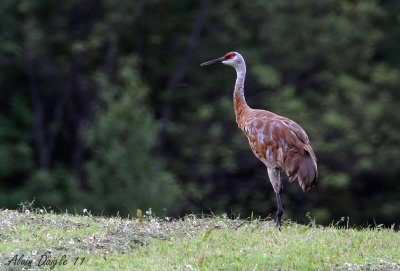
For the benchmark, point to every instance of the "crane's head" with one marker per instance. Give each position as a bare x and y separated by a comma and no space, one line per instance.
233,59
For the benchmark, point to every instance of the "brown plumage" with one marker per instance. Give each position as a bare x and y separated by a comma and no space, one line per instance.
280,143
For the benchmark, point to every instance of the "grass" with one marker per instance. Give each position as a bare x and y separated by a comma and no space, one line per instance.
84,242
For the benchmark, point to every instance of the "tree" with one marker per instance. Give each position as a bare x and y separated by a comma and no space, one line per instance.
125,172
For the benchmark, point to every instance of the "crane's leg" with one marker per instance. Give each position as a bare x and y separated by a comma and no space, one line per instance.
274,175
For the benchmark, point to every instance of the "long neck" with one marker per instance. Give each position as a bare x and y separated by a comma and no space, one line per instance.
239,101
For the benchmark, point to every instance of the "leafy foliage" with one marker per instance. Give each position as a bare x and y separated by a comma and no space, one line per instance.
125,172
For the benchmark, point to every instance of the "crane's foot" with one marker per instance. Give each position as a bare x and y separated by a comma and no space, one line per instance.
279,211
278,222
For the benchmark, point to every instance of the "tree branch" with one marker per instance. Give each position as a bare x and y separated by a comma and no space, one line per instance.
180,70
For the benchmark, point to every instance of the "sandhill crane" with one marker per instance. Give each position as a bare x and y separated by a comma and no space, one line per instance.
280,143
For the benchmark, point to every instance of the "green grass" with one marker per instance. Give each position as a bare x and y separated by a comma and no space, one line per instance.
191,243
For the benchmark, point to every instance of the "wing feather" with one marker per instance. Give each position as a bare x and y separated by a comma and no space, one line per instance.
281,142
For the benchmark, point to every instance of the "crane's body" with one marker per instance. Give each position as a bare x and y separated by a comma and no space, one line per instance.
280,143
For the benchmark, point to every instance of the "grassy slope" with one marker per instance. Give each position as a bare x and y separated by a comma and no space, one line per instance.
192,244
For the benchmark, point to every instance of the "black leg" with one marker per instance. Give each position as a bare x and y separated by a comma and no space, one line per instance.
279,210
274,175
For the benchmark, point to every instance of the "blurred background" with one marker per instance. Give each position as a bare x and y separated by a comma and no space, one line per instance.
104,106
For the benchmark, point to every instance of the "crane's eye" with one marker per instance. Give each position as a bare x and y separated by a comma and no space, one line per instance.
229,55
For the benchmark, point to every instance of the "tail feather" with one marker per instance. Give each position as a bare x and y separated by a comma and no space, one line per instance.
306,172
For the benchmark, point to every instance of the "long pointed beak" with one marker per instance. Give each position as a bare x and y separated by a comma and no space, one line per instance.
218,60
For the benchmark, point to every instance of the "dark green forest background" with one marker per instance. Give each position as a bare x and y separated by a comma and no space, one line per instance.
104,106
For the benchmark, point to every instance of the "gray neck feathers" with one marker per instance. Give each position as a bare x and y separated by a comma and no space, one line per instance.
239,86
